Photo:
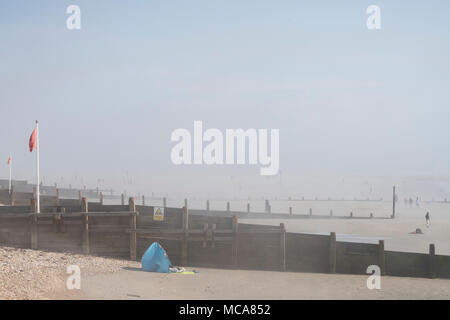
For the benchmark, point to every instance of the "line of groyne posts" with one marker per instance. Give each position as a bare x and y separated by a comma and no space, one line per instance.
267,206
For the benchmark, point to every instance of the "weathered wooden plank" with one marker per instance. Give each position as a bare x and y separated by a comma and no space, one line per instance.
184,245
332,254
132,208
381,257
282,247
33,231
234,248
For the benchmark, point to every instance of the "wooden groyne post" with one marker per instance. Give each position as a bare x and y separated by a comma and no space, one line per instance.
234,245
381,257
332,256
85,221
282,247
184,244
432,261
33,224
11,196
101,198
57,197
133,240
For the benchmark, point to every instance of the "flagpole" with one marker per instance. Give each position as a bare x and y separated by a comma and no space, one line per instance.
10,164
37,165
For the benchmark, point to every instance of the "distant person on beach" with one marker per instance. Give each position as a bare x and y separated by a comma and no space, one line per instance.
427,218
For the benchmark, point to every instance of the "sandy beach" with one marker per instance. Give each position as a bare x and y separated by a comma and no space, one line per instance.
34,274
247,285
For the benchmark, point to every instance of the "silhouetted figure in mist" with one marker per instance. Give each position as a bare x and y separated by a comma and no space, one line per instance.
427,218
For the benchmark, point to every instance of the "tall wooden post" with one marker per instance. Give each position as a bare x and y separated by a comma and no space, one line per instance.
84,205
186,203
184,244
290,211
205,234
282,247
310,211
431,261
248,207
101,198
11,196
143,200
207,205
164,202
381,257
332,257
228,206
33,205
57,196
85,232
122,199
79,195
393,202
235,243
33,231
133,237
213,235
33,224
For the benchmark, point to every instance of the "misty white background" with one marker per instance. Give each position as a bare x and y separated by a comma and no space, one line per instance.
351,104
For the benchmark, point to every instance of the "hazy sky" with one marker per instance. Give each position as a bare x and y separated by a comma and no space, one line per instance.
347,100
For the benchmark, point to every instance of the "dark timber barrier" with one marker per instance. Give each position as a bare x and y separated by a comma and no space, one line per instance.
201,240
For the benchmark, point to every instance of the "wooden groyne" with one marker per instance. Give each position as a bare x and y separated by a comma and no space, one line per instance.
192,238
22,199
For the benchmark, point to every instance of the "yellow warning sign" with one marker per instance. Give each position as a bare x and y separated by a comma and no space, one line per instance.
158,214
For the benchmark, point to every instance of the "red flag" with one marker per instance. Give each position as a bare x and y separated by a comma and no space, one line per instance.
32,143
9,160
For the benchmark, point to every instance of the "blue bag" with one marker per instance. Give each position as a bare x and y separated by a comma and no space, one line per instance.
155,259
